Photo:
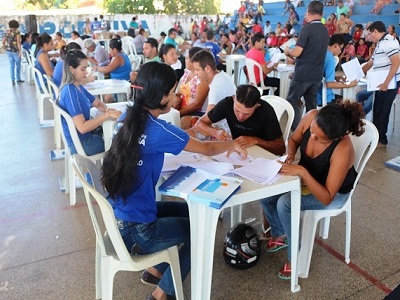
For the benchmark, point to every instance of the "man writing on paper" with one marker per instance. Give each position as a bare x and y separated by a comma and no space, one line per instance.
336,43
385,57
251,121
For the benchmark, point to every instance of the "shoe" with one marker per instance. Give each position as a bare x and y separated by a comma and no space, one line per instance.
149,279
20,81
276,245
396,11
286,272
13,82
380,146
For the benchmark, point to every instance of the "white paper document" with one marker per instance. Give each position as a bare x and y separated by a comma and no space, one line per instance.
377,77
234,159
352,69
173,162
260,170
274,59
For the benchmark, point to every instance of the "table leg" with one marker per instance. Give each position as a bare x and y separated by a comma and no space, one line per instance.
236,214
295,224
203,226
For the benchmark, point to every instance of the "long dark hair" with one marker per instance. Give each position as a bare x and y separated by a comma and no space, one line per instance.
338,119
119,172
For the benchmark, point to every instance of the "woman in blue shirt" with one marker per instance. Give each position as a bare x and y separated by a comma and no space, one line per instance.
77,101
119,67
133,165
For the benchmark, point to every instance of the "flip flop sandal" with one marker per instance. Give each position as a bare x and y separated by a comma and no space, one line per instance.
149,279
279,243
285,273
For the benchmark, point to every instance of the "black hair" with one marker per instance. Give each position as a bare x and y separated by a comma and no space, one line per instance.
378,25
210,34
116,44
162,33
41,40
70,46
76,33
192,51
172,30
119,172
248,95
13,24
258,37
336,39
165,49
338,119
152,41
204,58
315,8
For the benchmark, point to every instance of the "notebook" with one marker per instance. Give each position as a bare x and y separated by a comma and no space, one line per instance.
200,186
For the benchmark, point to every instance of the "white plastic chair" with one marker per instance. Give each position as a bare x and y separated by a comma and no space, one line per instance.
53,94
111,253
29,62
173,117
364,146
42,93
252,67
135,61
128,45
284,112
70,187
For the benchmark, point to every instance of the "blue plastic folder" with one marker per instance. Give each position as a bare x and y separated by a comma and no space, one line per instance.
200,186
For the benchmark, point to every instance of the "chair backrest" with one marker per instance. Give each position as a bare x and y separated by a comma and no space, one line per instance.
364,145
39,82
253,67
62,114
110,243
128,45
173,117
27,57
284,112
135,61
52,88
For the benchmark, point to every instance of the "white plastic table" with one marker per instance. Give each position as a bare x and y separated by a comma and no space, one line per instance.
109,86
204,219
284,70
232,63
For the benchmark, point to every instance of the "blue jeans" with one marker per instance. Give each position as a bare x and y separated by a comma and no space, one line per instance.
92,144
15,63
308,90
171,228
277,210
365,98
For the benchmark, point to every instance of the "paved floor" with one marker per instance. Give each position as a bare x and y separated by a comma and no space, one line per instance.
47,247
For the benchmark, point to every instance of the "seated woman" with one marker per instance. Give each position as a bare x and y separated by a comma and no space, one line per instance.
192,94
131,170
118,68
169,55
326,168
77,101
44,44
59,41
226,49
379,4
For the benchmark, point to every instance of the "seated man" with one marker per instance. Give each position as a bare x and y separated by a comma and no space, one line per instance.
96,54
220,83
256,53
251,121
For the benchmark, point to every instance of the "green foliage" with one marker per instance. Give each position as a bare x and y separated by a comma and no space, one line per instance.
130,6
48,4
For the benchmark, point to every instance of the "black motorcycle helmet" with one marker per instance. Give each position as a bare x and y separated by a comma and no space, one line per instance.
242,247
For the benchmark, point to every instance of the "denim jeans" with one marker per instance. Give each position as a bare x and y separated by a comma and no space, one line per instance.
365,98
92,145
15,63
171,228
277,210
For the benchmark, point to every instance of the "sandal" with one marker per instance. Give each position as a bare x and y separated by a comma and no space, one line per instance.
286,272
276,245
149,279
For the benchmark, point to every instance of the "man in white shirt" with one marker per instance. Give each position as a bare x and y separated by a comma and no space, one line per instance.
96,53
221,84
267,28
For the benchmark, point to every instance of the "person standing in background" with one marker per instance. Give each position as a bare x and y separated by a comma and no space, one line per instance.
12,43
309,51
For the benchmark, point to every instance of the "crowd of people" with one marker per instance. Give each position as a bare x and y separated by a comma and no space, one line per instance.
189,76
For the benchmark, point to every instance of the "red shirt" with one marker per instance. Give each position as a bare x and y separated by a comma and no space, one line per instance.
257,28
357,35
331,29
258,56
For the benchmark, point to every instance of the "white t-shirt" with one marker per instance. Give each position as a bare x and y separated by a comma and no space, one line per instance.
221,86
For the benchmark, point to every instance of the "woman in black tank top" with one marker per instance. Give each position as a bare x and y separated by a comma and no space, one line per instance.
326,168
